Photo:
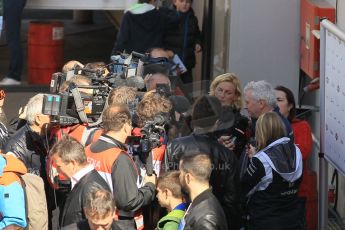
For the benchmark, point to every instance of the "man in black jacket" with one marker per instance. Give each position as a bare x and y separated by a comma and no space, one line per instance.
110,158
70,159
205,211
224,178
28,143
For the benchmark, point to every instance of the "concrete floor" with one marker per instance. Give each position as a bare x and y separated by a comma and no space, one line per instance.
83,42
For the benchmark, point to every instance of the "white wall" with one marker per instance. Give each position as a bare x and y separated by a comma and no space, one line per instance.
77,4
264,41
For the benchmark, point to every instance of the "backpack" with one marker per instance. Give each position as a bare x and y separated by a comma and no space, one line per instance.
32,202
36,203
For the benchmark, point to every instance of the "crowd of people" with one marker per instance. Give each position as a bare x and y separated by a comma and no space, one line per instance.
158,158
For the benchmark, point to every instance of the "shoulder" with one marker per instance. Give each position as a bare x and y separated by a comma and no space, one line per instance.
300,124
168,223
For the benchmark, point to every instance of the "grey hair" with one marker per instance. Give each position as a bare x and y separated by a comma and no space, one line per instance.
262,90
34,107
149,81
69,149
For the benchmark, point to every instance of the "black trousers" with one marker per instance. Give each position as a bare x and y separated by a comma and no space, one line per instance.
13,10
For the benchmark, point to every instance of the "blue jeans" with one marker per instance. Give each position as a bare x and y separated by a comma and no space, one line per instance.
13,10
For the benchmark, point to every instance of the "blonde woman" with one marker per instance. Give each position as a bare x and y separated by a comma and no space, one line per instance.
227,89
272,178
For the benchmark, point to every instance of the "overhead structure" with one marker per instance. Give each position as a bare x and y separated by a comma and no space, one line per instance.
78,4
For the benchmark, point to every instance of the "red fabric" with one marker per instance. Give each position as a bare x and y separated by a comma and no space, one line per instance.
302,135
303,139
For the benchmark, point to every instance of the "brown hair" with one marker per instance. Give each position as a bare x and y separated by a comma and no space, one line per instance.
269,128
233,79
69,149
151,105
170,181
122,95
291,101
115,116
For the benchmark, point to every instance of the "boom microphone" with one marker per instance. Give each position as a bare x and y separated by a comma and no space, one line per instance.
136,82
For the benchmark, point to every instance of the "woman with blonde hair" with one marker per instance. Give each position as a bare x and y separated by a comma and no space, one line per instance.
227,89
272,178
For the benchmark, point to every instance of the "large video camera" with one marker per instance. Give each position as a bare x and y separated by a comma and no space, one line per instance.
151,137
77,104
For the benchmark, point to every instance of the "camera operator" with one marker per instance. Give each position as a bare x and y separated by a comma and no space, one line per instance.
110,158
151,81
224,178
151,105
28,143
81,132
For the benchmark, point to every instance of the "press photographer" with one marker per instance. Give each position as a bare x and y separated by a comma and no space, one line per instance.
110,158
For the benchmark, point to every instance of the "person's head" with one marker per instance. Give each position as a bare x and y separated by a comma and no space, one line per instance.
34,116
269,128
169,189
99,209
182,5
69,156
158,53
205,114
98,66
227,89
117,119
195,170
151,80
70,65
259,97
151,105
286,102
78,80
122,95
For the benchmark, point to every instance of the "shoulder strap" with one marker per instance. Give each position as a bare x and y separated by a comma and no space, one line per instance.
26,201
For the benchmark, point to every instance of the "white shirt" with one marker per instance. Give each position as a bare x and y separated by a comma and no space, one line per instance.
80,174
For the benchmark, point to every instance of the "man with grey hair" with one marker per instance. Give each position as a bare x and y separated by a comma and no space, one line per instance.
28,143
70,159
260,98
151,81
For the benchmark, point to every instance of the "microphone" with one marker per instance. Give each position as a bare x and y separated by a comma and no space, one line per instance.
135,81
118,81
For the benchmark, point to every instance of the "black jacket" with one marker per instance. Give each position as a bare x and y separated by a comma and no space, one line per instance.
205,213
224,177
181,38
142,28
28,146
73,209
271,183
84,225
125,181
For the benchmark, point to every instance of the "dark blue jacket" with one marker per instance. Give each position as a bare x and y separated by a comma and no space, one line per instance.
142,28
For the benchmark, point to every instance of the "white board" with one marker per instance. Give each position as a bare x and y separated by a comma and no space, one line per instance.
333,94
